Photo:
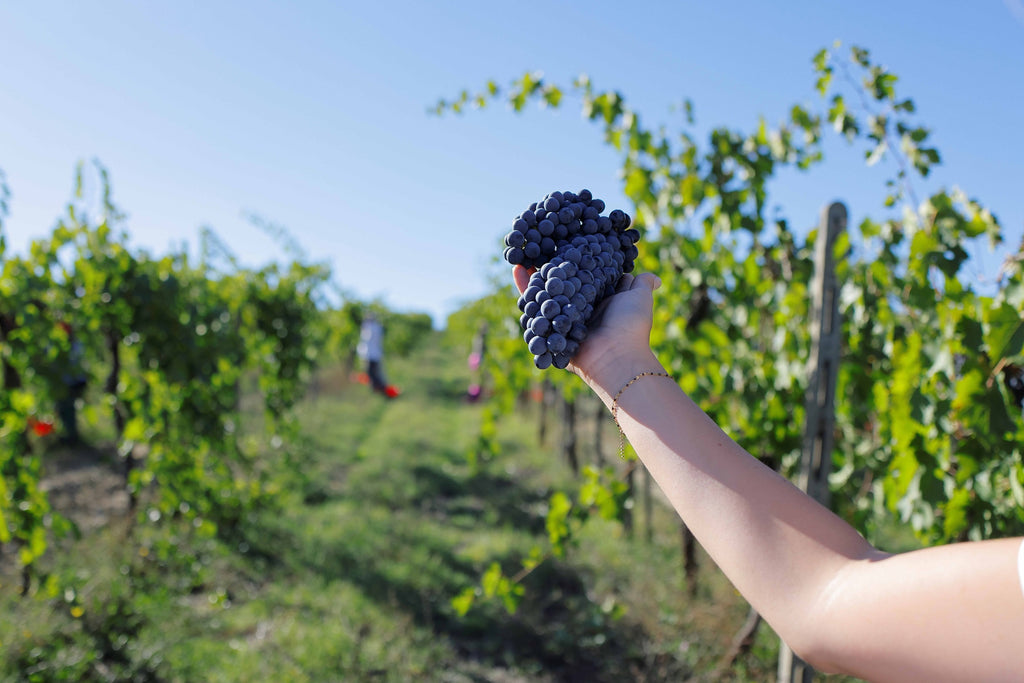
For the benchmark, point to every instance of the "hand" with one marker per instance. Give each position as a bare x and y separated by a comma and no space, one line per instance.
620,329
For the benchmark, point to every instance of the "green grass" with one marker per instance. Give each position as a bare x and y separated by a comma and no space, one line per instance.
351,579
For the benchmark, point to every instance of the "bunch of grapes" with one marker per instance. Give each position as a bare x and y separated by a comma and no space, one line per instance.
579,256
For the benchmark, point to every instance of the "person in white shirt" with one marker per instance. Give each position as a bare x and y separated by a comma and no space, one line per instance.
371,351
945,613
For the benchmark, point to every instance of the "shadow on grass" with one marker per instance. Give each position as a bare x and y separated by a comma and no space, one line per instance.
497,499
408,563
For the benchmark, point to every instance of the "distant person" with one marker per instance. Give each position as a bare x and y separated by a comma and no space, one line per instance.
73,381
476,359
946,613
371,351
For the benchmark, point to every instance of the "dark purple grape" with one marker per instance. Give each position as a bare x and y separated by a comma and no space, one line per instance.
555,286
556,342
541,326
538,345
550,308
561,360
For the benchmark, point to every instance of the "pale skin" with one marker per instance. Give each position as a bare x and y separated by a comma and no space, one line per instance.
946,613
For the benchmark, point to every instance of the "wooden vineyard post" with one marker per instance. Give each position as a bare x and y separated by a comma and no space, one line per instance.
569,434
544,405
648,507
823,363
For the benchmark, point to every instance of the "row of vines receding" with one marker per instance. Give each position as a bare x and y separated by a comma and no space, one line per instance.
160,351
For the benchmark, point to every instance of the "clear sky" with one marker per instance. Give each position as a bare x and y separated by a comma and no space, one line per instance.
314,116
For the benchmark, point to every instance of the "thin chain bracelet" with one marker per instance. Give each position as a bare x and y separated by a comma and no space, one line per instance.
615,406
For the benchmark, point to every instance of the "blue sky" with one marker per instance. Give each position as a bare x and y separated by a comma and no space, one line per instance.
314,116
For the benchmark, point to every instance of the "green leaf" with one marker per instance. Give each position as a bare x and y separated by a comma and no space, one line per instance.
820,59
464,601
1005,336
1017,485
491,580
511,597
557,521
955,511
970,333
552,97
859,55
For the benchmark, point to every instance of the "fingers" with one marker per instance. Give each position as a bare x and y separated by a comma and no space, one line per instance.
521,276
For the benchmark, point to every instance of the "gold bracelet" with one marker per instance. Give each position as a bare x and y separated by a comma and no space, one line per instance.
615,406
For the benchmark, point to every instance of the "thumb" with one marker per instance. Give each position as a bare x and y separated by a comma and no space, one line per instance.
648,280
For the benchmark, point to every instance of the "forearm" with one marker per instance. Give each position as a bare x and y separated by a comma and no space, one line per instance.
778,546
835,599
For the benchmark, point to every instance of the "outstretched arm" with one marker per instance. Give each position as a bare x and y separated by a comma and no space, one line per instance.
947,613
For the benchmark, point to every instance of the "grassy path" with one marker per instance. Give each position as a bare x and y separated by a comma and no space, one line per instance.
361,582
352,579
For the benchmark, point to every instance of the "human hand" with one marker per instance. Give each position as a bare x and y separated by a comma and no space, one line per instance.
620,330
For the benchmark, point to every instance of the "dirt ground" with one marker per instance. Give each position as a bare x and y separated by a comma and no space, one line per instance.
84,486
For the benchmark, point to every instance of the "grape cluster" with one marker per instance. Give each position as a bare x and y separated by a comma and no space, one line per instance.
579,256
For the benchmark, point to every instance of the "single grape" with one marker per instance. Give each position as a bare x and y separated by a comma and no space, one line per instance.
540,326
550,308
537,345
556,342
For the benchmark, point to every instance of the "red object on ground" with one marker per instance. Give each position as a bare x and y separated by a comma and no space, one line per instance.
40,427
361,377
392,391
